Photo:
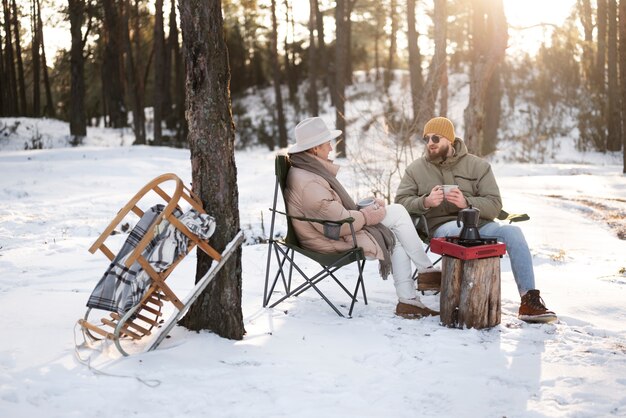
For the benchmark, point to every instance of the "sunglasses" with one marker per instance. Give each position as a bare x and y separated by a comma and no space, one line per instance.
434,138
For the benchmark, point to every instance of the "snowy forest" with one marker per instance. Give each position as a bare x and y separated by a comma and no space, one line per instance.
105,73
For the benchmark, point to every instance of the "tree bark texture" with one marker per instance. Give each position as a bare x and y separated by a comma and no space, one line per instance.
415,59
159,70
470,292
212,142
36,61
134,74
490,39
614,122
280,113
78,120
11,103
49,110
436,68
3,82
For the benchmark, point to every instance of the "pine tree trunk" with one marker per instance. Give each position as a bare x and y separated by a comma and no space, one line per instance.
321,47
340,71
78,125
290,70
23,106
622,73
490,42
392,44
614,122
312,93
280,114
49,110
36,61
133,73
11,80
112,66
170,117
415,59
211,142
493,111
159,70
436,68
3,82
586,20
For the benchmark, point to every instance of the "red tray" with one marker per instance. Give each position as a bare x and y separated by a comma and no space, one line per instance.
443,247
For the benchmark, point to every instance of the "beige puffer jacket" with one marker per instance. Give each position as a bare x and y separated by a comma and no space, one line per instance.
309,195
473,175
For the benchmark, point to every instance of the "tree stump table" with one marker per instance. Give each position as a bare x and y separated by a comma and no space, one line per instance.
470,292
470,284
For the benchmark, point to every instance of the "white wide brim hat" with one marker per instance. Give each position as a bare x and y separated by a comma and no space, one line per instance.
310,133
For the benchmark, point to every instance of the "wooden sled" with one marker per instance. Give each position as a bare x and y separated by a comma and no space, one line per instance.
146,318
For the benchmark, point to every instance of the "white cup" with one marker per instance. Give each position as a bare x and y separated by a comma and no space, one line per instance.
365,202
448,187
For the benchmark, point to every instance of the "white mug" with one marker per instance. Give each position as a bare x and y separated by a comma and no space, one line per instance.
448,187
365,202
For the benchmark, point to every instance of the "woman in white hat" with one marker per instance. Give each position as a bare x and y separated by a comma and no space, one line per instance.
384,232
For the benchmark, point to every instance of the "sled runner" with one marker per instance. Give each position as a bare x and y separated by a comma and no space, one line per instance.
134,288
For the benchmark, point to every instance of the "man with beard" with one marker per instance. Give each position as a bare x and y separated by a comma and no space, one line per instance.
446,161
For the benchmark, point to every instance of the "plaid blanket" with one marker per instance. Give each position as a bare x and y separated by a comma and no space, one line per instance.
121,287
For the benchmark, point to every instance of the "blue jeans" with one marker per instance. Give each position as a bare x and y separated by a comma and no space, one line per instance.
516,247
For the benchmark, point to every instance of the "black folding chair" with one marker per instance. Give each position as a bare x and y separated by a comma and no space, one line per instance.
285,250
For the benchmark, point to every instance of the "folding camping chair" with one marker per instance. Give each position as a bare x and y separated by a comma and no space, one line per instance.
285,248
140,320
421,225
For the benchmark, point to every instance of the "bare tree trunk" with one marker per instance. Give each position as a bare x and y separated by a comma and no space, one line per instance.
493,111
614,122
587,24
280,114
9,65
212,143
23,107
415,59
134,74
601,23
340,71
78,125
622,73
436,68
3,82
49,110
321,47
392,44
490,40
313,99
159,70
113,67
350,8
168,115
290,71
36,61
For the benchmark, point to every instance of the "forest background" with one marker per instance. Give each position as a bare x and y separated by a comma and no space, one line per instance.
122,67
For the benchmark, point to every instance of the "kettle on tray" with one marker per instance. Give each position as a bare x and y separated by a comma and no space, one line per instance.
469,216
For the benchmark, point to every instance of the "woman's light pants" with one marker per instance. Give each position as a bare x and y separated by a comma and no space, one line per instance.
516,247
409,247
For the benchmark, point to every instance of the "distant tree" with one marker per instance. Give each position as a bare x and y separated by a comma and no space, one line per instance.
614,119
112,66
49,110
214,174
312,58
36,59
341,50
134,73
280,114
622,73
415,59
3,81
393,16
159,70
21,86
437,66
489,42
78,120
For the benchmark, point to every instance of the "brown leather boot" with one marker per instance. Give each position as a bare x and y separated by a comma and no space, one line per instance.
533,309
413,312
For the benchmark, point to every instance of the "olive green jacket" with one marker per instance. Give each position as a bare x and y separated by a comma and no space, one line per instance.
472,174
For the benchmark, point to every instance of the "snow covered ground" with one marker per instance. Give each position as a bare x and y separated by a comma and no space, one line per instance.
301,359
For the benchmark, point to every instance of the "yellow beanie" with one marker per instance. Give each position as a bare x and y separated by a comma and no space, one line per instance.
440,126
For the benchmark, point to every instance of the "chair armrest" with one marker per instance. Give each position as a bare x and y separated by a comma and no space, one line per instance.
329,232
515,217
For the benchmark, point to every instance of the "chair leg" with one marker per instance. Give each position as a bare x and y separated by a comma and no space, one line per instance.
359,283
